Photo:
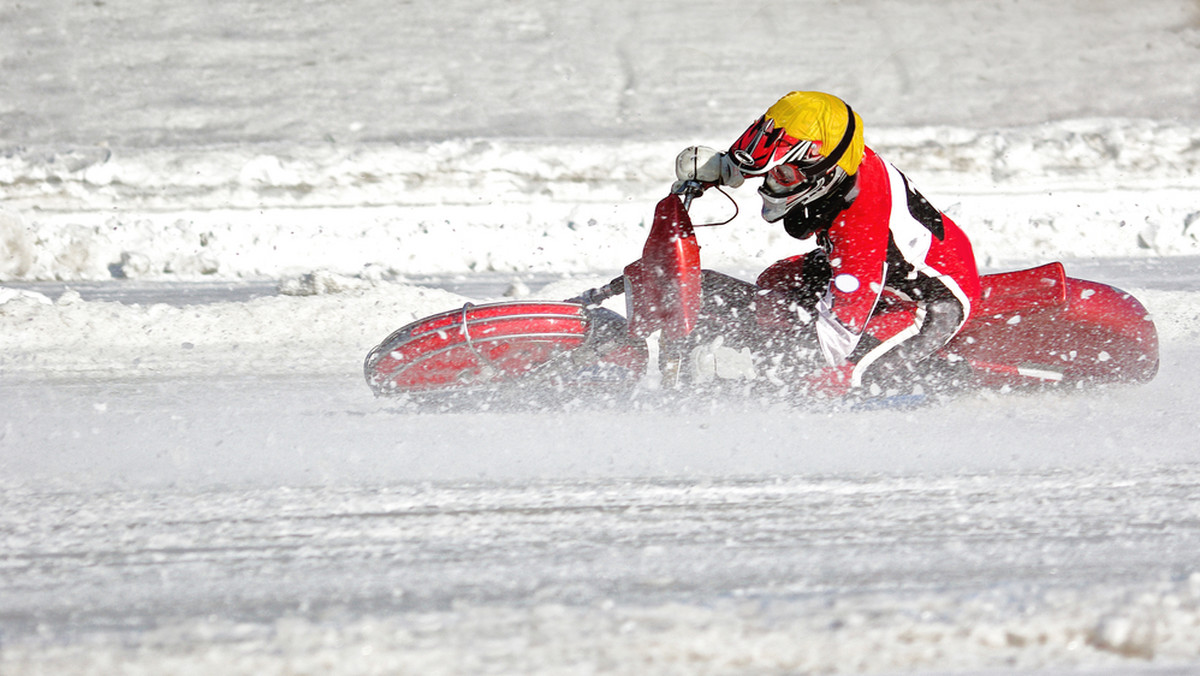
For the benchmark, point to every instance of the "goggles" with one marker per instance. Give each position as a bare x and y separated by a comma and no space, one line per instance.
785,178
777,202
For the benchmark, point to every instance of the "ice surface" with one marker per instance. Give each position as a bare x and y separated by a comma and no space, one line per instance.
212,210
1039,572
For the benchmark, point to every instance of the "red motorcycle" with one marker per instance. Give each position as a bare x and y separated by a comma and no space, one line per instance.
691,329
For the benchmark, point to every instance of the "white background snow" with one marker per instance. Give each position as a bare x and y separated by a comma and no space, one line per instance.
211,211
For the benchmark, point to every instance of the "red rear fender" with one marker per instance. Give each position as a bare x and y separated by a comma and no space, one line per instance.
1042,287
1042,322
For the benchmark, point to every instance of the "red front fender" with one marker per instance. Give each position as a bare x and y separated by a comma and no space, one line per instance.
663,288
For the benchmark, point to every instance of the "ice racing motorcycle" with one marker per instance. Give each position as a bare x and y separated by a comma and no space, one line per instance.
688,329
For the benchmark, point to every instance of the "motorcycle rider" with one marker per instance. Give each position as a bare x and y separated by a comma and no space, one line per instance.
891,280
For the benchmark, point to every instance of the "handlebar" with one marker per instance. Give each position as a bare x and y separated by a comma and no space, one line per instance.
691,189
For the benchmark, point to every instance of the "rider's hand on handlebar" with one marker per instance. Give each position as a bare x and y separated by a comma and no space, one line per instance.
706,166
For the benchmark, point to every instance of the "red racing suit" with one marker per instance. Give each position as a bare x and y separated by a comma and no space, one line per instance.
902,278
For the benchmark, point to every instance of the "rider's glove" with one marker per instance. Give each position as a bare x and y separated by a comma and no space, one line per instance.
705,165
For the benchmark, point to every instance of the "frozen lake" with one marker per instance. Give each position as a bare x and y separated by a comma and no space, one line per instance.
211,211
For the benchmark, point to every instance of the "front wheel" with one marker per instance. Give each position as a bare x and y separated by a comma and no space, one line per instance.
491,345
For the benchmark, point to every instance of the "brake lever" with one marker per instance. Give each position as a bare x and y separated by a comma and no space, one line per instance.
691,189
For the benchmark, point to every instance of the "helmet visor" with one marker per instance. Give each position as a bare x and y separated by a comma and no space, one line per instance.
764,146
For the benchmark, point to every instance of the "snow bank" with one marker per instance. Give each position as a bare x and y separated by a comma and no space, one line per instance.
1069,189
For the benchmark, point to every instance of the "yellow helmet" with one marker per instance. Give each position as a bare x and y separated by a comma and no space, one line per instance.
798,124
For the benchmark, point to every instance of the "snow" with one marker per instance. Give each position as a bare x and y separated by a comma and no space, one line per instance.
212,211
